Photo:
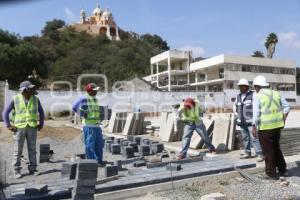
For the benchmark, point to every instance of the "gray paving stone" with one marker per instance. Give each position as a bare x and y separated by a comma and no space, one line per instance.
85,182
111,171
118,163
138,140
108,144
69,170
83,190
134,145
34,190
156,148
173,167
115,148
144,150
87,165
128,152
140,163
86,174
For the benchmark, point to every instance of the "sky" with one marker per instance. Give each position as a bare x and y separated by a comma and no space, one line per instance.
208,27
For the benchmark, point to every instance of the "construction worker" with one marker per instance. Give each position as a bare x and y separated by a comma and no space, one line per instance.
28,110
244,111
270,111
89,109
189,111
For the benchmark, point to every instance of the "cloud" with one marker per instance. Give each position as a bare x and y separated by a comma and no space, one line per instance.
197,51
71,17
289,39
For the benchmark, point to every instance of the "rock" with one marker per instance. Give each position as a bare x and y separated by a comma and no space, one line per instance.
214,196
285,183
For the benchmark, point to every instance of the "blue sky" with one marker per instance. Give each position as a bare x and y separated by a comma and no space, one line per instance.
209,27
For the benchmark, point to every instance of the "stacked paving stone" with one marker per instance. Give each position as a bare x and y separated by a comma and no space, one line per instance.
68,170
86,178
44,153
111,170
36,190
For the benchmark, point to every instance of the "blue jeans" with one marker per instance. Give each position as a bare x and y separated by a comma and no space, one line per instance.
188,133
249,140
93,141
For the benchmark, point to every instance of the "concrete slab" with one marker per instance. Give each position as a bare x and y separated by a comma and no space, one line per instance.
221,130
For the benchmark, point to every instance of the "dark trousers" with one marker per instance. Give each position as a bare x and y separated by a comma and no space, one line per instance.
269,140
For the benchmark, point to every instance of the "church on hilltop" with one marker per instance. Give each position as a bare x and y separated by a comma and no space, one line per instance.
100,22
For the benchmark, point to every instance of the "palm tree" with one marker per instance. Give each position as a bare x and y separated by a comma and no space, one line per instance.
270,44
258,54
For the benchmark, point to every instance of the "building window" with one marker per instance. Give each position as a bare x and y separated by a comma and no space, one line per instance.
221,73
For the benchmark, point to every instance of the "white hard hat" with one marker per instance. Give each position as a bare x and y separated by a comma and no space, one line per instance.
260,81
243,82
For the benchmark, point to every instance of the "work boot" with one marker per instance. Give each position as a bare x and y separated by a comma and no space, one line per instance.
260,158
246,156
180,157
17,174
267,177
283,174
34,172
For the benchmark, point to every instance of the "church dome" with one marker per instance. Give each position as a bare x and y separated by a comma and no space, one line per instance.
107,14
97,10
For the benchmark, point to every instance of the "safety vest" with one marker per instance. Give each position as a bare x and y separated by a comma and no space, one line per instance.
25,115
271,115
244,109
191,115
93,111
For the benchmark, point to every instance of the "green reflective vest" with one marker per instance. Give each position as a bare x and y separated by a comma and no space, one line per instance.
191,115
93,111
25,115
271,115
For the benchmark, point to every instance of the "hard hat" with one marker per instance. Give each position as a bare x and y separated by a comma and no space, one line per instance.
91,87
260,81
25,85
243,82
189,103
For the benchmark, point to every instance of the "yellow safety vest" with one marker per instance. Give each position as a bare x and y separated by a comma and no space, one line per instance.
191,115
25,115
271,115
93,111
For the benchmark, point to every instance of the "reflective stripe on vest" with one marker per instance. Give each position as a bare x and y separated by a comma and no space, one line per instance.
93,111
191,115
25,115
244,109
270,109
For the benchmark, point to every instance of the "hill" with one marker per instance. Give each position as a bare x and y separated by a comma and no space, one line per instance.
63,54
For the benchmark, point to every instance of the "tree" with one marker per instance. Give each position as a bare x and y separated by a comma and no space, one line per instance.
11,39
258,54
270,44
156,41
51,28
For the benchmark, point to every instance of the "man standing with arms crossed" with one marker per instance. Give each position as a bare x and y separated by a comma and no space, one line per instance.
270,111
89,109
27,109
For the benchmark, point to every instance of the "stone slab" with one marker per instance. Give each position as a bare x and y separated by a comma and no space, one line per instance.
221,130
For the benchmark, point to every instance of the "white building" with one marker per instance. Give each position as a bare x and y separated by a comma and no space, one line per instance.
170,70
220,74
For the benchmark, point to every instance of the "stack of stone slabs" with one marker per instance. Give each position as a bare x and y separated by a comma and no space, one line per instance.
134,124
117,122
167,129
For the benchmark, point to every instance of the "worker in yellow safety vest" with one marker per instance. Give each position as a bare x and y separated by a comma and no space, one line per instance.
270,111
189,112
27,111
89,109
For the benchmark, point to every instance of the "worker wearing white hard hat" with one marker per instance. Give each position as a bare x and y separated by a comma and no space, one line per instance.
243,112
270,111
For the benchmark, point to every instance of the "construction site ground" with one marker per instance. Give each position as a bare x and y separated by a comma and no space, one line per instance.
66,141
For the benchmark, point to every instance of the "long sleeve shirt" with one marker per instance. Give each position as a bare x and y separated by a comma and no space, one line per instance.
256,108
81,106
11,106
178,116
